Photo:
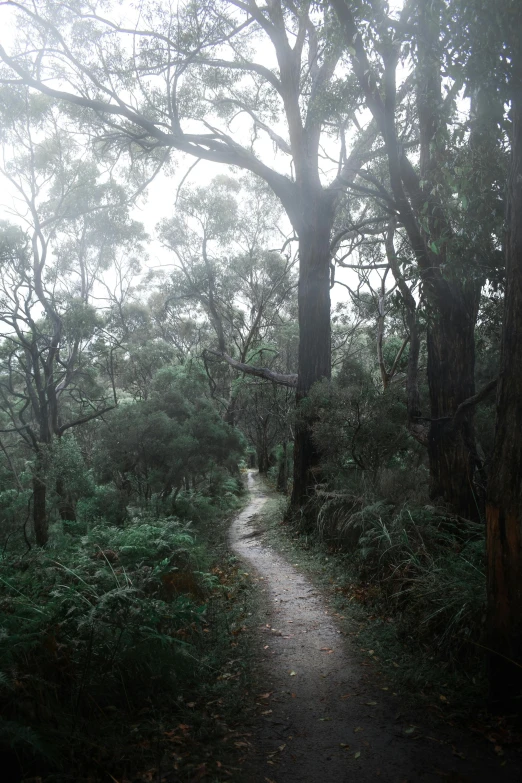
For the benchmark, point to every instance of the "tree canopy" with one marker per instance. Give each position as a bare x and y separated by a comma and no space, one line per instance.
337,297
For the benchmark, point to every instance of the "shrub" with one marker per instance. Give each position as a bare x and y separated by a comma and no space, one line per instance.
111,623
429,567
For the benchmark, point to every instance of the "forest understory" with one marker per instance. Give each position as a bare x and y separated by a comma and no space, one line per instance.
163,662
124,656
280,239
344,697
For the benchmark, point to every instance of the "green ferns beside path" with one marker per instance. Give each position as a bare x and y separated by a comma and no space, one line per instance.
103,641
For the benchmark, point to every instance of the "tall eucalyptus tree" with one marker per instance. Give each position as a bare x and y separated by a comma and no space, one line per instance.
177,79
437,210
75,220
220,241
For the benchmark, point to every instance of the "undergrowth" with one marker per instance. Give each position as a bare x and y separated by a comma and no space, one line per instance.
410,581
122,654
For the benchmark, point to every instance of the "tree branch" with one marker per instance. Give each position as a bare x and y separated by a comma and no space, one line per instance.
475,399
85,419
259,372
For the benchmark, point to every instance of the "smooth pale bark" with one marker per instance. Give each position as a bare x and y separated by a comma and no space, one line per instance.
504,501
259,372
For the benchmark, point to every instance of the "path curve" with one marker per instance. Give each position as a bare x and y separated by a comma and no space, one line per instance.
326,718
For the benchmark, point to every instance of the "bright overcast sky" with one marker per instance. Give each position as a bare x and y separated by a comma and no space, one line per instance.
162,191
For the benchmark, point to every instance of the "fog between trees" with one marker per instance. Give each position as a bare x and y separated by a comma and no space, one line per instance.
390,142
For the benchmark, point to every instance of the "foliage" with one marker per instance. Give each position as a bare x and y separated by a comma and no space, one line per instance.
428,569
412,591
358,427
100,629
155,446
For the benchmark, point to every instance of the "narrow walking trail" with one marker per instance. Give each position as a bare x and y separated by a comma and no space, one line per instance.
324,716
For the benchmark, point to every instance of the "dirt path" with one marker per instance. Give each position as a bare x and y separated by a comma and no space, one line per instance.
324,717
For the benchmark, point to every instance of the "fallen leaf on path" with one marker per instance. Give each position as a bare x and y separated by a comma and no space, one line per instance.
344,745
265,695
356,755
371,703
292,674
357,728
326,649
442,697
410,730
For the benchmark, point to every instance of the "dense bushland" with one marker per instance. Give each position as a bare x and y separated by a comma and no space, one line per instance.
406,558
113,642
392,168
130,612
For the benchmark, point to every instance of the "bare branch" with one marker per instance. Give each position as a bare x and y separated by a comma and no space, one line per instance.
259,372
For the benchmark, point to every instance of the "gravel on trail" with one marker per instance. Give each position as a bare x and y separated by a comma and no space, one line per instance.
324,716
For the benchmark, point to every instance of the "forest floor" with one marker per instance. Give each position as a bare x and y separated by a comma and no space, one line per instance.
326,713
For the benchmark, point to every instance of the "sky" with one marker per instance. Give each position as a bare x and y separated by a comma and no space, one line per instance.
162,191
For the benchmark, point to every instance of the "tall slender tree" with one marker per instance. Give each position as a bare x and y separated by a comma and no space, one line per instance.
74,221
177,80
504,496
423,198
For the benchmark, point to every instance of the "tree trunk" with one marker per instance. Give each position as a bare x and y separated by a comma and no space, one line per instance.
40,521
66,507
451,379
230,413
262,459
504,501
314,358
282,473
